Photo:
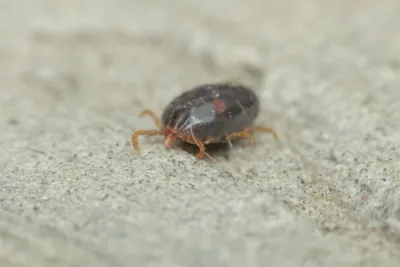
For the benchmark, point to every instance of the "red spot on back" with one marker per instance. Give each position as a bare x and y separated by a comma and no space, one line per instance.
219,105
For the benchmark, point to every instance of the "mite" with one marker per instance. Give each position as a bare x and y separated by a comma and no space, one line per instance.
208,113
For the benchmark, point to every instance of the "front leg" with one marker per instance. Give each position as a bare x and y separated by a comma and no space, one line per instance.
135,136
150,113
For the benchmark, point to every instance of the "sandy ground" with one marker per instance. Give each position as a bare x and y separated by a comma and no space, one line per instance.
76,74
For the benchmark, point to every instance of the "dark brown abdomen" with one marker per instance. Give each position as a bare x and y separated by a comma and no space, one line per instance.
214,110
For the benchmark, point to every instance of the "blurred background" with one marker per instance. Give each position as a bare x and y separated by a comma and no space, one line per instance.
76,74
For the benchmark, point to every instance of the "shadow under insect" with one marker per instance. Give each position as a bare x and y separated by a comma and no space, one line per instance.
215,150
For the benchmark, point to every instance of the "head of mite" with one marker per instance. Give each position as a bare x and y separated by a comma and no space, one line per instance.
170,135
178,125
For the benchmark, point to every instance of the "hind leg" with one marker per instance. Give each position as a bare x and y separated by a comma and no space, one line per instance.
248,133
264,129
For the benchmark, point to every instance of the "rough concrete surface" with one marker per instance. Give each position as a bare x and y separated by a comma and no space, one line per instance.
76,74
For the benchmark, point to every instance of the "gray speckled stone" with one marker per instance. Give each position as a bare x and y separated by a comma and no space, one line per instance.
76,74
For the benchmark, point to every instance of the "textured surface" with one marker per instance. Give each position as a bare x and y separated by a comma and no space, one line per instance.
76,74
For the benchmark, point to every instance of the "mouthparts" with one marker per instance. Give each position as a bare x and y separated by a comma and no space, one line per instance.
169,140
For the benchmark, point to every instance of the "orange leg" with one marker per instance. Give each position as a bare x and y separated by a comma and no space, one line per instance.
199,144
247,133
264,129
135,136
202,150
150,113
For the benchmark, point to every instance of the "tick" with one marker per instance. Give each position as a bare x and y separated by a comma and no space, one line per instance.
208,113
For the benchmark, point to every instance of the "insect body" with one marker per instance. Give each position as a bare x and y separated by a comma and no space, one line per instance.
209,113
